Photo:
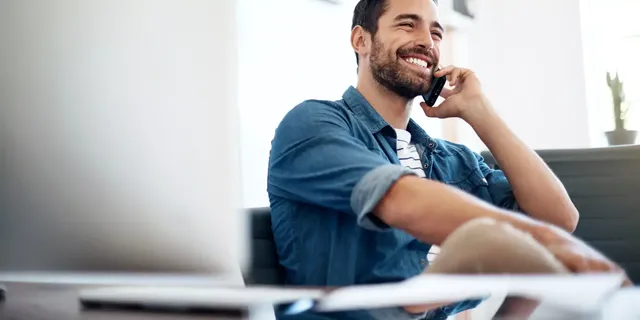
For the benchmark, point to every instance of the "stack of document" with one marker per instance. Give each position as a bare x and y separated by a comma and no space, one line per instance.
579,294
573,292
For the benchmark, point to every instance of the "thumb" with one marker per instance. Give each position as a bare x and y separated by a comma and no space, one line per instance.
431,112
442,111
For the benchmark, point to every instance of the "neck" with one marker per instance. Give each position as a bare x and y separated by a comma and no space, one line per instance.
394,109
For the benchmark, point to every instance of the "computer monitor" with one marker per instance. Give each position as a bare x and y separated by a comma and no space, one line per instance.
119,138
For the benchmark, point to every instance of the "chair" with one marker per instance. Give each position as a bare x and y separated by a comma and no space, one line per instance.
265,267
604,185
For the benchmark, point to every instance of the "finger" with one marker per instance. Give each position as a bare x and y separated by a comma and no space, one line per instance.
597,265
465,73
576,263
626,282
602,266
444,71
434,112
580,264
430,112
455,76
446,93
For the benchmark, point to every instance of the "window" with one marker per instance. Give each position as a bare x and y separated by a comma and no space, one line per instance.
611,38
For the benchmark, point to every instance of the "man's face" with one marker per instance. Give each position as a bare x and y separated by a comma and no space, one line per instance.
406,49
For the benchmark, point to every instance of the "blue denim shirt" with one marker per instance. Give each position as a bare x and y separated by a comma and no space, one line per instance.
331,162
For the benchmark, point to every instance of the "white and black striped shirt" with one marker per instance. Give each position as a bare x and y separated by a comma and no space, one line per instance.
407,152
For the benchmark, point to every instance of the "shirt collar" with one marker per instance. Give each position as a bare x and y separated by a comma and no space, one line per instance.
372,119
363,110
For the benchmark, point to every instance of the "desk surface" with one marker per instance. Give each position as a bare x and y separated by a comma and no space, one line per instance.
60,302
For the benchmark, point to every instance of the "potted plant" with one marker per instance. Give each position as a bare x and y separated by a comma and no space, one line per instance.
620,135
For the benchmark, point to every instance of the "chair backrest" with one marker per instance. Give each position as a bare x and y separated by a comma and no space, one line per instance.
604,184
265,267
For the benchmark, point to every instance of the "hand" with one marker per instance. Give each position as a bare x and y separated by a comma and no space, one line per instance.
576,255
465,97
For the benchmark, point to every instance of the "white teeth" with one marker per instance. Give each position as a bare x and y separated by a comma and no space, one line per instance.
418,62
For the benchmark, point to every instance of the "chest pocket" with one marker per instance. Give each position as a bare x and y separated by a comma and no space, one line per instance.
474,182
461,170
381,147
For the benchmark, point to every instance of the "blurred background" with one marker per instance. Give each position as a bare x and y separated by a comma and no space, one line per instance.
542,63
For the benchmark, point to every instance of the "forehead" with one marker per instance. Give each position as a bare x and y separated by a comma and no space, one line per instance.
426,9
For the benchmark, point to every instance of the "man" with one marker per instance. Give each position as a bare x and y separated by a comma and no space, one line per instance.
359,192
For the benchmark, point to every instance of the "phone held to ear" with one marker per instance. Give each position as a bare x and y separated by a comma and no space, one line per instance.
434,90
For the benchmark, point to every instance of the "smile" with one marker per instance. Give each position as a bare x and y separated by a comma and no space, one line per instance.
417,62
420,64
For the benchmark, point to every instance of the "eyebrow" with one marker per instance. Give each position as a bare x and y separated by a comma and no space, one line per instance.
408,16
437,25
415,17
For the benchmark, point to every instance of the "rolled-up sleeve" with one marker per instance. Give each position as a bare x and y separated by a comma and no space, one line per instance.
499,187
316,159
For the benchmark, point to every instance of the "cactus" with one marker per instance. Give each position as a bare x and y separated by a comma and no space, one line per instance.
617,92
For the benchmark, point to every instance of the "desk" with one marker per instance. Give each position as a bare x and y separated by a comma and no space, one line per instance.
60,302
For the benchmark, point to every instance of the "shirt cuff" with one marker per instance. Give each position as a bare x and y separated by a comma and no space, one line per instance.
370,190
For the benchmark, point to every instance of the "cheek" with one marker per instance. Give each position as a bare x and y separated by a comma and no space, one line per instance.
436,52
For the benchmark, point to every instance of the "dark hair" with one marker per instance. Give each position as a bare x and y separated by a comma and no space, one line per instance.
367,13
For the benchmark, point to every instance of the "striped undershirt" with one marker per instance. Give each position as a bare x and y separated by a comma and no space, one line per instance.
407,152
410,158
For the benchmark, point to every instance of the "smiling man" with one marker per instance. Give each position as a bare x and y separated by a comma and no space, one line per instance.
359,192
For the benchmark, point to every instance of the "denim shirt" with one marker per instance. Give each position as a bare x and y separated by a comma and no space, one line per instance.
331,162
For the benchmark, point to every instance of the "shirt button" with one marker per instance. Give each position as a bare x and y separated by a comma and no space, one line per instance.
422,262
431,145
426,165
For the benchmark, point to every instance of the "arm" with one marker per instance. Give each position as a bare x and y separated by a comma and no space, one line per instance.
534,182
431,210
537,190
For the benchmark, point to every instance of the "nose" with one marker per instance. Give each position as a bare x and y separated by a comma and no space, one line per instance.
425,42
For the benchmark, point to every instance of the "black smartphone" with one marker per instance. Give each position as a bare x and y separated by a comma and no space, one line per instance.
434,90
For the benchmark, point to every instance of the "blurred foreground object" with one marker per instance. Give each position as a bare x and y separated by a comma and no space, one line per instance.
118,129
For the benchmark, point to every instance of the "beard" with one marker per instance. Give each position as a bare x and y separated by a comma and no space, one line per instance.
394,76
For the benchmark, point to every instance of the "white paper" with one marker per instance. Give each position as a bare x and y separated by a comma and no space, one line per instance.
624,304
576,292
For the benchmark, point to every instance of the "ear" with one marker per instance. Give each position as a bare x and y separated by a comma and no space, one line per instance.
360,41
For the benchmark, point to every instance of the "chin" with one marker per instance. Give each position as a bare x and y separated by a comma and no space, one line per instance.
418,85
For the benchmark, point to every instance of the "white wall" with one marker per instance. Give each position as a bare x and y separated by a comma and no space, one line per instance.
529,57
290,51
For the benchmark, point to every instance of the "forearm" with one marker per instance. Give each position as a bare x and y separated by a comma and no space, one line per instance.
430,210
537,190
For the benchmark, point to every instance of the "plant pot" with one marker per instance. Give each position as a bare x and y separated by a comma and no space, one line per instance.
621,137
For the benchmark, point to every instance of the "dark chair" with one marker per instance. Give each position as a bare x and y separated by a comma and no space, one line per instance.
604,184
265,268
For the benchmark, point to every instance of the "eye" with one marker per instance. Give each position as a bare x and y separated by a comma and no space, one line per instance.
406,24
437,34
